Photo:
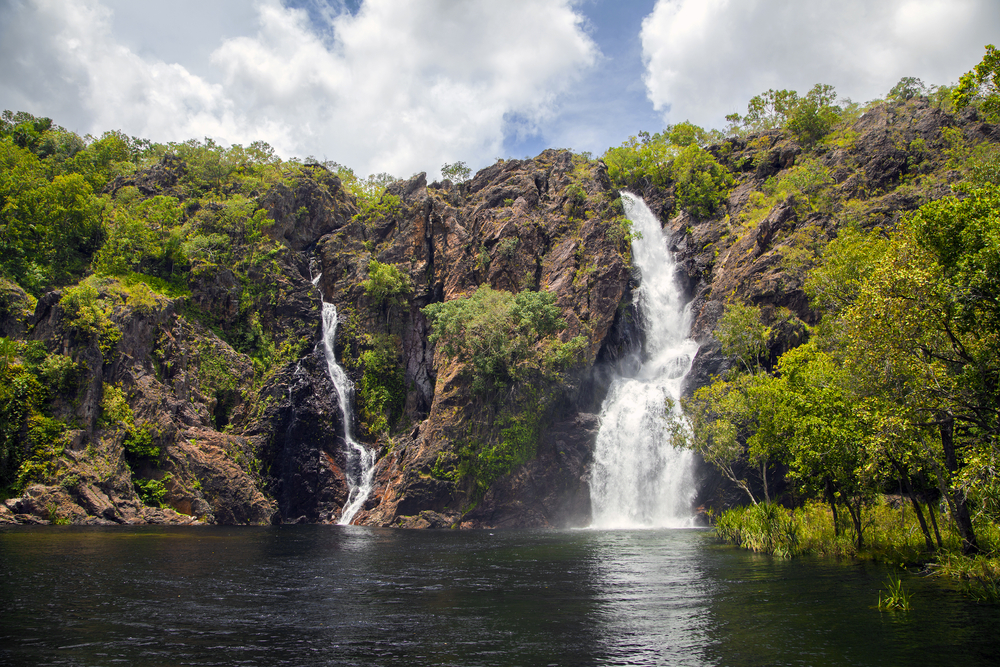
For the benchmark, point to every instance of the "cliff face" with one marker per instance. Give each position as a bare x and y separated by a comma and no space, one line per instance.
538,224
180,408
233,449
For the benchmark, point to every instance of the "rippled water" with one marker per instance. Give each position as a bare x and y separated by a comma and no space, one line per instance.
345,595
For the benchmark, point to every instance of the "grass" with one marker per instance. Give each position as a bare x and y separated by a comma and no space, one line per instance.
892,536
895,597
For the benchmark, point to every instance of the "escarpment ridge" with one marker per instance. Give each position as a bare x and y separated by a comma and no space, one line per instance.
162,358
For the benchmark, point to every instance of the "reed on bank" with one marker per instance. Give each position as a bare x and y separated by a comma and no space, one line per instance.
892,536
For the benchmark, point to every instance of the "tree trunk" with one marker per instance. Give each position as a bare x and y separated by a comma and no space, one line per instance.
855,513
904,479
959,510
833,506
763,474
937,533
920,519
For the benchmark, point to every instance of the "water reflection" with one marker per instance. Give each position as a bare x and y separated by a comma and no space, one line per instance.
325,595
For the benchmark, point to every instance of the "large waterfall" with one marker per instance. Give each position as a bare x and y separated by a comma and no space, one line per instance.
360,459
638,479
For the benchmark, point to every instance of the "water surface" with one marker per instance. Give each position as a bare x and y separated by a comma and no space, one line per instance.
346,595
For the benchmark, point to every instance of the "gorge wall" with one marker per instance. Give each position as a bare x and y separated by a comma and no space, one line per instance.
236,443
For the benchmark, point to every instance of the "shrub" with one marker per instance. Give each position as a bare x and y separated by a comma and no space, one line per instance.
702,183
382,392
386,285
763,528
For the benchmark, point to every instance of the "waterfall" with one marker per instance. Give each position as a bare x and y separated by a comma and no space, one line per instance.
638,479
360,460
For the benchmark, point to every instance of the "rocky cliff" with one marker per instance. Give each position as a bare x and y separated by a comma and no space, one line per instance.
177,415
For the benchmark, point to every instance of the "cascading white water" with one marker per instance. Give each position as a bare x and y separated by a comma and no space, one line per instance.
360,460
638,479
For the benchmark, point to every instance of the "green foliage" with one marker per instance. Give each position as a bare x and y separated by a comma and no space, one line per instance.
139,444
763,528
49,225
496,333
22,397
769,110
386,285
139,236
806,185
809,118
848,261
906,89
702,183
507,248
621,233
59,374
981,86
115,410
481,461
576,200
381,392
88,315
458,172
814,115
30,379
640,160
743,335
509,350
152,491
894,597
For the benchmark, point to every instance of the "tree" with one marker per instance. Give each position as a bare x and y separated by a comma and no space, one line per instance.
501,336
981,86
812,117
815,417
702,183
743,335
768,110
923,334
458,172
732,429
906,89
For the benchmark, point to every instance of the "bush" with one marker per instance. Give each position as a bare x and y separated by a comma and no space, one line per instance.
382,392
702,183
151,491
496,333
386,285
764,528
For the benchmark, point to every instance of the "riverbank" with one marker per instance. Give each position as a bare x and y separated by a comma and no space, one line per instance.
891,534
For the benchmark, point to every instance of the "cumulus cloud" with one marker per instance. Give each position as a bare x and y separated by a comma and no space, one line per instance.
398,87
706,58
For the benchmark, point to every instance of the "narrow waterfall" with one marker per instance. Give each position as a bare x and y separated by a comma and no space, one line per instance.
360,460
638,479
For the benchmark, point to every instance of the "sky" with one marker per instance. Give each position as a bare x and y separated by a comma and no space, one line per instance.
404,86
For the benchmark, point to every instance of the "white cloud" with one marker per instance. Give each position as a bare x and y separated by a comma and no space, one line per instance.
397,87
706,58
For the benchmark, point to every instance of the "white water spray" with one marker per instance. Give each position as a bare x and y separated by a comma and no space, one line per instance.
360,460
638,479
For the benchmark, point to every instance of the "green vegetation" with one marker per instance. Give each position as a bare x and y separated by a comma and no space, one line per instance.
381,392
895,597
31,380
509,349
504,338
672,157
458,172
809,118
152,491
895,389
981,86
386,285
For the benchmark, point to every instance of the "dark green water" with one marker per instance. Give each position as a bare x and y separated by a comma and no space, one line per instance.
331,595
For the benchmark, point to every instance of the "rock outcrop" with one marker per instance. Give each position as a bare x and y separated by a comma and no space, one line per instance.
168,406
